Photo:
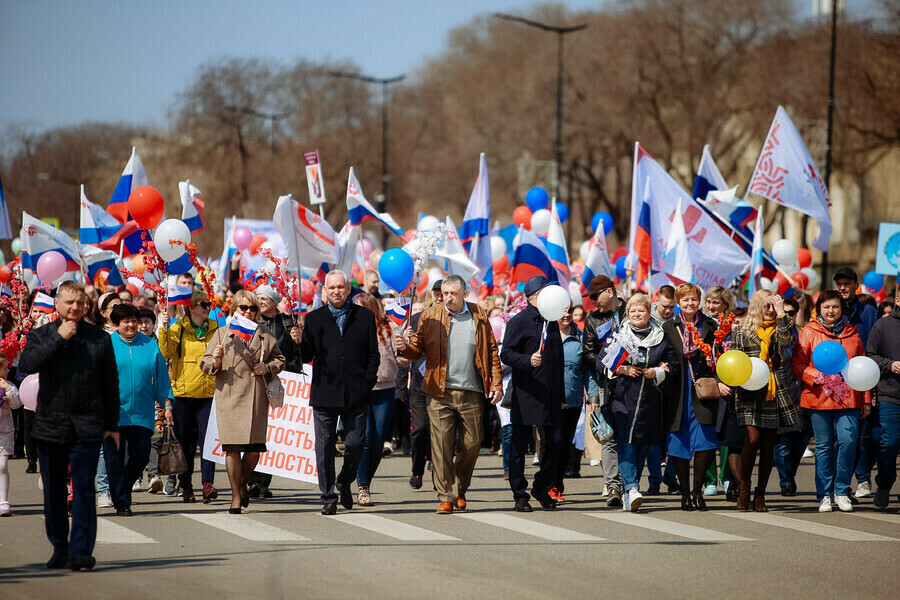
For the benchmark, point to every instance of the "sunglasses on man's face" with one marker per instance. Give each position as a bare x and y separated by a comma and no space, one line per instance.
246,307
205,305
790,313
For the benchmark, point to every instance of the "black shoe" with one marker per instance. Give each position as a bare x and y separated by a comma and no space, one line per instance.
123,512
789,489
234,511
253,491
346,497
78,562
732,494
266,493
853,500
58,560
522,505
541,495
329,509
32,467
415,482
699,502
686,504
672,486
614,498
653,490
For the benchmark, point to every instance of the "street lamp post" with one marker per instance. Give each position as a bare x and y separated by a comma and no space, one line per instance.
560,32
385,178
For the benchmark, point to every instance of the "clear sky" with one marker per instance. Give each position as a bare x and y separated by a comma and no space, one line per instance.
64,62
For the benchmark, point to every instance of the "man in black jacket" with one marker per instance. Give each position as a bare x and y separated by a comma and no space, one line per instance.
340,339
883,347
598,326
78,407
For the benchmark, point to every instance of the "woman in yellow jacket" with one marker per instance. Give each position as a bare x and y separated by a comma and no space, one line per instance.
183,344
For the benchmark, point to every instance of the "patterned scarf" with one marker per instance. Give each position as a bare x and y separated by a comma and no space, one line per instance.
687,340
765,333
836,328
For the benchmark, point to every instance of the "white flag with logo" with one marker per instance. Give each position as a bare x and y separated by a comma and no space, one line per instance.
308,237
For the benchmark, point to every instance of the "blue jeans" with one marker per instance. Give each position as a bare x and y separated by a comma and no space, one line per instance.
836,432
630,456
56,460
789,449
381,409
506,441
867,446
102,479
889,444
654,466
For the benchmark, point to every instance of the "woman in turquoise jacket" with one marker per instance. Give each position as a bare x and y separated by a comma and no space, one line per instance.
143,383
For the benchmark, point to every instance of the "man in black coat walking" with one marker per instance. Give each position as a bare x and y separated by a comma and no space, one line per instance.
78,407
340,340
537,398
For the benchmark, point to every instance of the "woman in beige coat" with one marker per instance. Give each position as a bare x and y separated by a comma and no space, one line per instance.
242,371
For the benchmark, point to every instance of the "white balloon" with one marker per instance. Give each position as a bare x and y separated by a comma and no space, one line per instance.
759,376
540,221
553,302
498,247
812,275
785,253
861,373
171,229
434,274
790,269
428,223
767,284
583,250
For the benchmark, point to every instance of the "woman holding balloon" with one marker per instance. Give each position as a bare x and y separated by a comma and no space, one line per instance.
763,402
835,407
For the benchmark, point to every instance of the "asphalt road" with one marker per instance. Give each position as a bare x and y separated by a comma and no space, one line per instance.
283,547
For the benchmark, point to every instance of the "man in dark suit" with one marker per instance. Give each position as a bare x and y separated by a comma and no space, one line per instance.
340,340
537,398
78,407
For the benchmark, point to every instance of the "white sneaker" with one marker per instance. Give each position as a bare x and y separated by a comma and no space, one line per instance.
825,505
710,490
633,500
595,462
808,453
137,485
155,484
41,483
863,490
104,501
536,460
843,503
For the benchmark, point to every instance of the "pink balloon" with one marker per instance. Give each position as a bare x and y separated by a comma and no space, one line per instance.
28,391
51,266
242,238
497,327
367,247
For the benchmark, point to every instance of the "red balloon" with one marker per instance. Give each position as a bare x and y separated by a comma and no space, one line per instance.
522,217
801,280
5,273
132,288
146,206
804,257
307,291
258,240
501,265
410,235
783,283
619,253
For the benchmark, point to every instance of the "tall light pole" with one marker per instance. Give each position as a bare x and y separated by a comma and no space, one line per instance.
385,178
560,32
834,16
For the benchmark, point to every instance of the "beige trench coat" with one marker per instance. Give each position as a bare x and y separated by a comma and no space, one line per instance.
242,405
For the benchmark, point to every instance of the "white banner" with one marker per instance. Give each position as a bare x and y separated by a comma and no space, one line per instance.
290,441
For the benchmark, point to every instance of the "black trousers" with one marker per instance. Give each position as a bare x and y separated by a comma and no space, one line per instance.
568,422
191,419
420,436
125,464
354,420
549,452
56,460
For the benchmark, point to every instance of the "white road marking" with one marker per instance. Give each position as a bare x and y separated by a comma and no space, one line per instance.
114,533
533,528
678,529
837,533
245,528
391,528
885,518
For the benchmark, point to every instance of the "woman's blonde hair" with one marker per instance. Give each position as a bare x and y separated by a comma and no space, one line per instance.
241,295
717,292
642,299
754,318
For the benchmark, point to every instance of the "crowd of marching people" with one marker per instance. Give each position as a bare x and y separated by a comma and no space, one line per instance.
463,375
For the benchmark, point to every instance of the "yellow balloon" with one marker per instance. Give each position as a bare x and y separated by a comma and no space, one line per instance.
734,368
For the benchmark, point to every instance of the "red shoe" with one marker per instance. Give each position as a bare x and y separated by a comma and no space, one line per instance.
555,495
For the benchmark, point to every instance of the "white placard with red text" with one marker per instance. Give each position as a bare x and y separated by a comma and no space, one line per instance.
290,441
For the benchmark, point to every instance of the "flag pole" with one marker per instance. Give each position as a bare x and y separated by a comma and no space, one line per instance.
294,217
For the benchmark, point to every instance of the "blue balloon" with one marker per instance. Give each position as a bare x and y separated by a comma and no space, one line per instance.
873,281
621,273
563,211
829,357
396,269
537,198
180,265
605,218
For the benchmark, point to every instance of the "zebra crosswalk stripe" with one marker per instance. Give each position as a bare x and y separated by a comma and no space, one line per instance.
391,528
678,529
113,533
245,527
837,533
532,528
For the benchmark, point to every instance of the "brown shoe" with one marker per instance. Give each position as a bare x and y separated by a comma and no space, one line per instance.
743,501
461,503
444,508
759,500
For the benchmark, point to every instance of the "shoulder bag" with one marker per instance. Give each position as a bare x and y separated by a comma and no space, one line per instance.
706,388
171,454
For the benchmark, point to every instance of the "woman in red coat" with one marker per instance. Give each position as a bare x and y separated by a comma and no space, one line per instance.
834,408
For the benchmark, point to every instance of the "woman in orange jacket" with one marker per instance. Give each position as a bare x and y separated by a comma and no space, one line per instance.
834,408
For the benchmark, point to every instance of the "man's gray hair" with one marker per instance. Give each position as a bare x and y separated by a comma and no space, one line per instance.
335,273
454,280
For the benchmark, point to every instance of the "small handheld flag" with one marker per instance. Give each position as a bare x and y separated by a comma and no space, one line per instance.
397,308
43,303
242,327
616,355
179,295
544,336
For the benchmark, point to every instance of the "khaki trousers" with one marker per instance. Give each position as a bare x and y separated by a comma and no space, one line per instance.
456,430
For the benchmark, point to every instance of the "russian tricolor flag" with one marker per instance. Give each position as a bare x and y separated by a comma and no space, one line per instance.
97,260
711,191
179,295
359,209
597,262
556,246
397,308
616,355
43,303
39,237
643,240
97,225
242,327
191,206
530,258
475,231
132,178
